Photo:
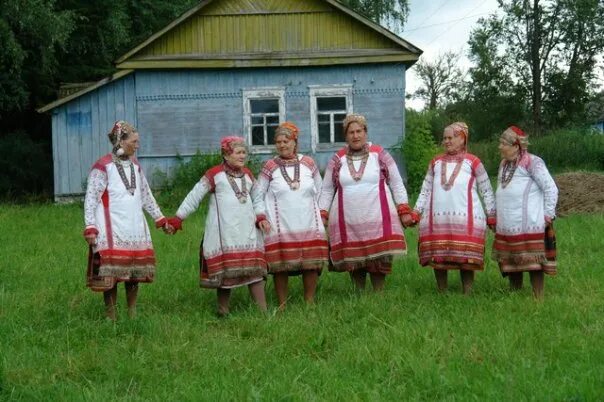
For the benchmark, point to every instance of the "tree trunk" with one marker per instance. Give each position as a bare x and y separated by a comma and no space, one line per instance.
535,68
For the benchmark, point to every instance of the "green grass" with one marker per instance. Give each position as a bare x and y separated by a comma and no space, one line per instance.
408,343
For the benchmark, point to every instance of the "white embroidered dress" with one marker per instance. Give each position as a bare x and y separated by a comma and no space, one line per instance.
364,227
123,241
297,239
232,250
453,223
522,206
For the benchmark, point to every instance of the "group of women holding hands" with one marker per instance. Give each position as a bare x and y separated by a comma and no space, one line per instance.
280,222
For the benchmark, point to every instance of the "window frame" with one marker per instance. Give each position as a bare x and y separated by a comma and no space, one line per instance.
324,91
249,94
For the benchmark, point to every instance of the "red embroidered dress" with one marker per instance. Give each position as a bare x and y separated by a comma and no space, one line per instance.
362,195
522,206
232,250
123,251
297,239
453,224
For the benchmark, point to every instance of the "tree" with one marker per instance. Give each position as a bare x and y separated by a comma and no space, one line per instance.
441,79
542,50
391,13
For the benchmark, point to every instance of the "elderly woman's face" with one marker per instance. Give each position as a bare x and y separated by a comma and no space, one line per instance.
356,136
453,143
130,144
285,146
508,151
237,158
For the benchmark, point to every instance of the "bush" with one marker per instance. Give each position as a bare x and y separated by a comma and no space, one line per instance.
418,148
562,150
187,173
26,168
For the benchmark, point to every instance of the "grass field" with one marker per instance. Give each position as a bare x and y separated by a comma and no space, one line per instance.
408,343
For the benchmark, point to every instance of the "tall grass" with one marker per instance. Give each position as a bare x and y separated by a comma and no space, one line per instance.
408,343
562,150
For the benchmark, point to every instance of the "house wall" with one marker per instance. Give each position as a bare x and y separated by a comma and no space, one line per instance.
178,112
79,132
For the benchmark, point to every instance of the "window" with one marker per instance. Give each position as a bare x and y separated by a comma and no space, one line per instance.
328,107
263,110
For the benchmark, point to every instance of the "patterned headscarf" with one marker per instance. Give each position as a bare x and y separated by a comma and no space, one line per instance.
289,129
515,136
460,128
354,118
121,129
228,144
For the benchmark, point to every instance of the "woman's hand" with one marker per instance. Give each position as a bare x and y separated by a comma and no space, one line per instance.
407,220
90,239
265,226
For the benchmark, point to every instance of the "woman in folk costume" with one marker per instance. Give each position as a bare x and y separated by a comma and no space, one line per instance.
290,185
232,251
453,224
526,199
116,229
362,198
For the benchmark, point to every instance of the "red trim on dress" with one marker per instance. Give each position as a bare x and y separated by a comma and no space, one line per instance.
471,204
108,229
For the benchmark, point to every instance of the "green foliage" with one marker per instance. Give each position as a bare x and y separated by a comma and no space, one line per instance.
562,150
418,147
26,167
176,186
392,13
408,342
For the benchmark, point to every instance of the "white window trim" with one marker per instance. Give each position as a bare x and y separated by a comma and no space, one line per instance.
260,93
315,91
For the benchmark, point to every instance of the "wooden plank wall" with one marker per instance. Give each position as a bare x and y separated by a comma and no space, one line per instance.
80,130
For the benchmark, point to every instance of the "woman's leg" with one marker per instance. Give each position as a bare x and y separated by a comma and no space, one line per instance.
280,279
222,297
257,292
131,295
467,279
537,280
515,280
377,281
110,297
441,279
310,279
359,277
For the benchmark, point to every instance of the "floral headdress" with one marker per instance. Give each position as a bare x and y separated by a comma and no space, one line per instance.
228,144
121,129
354,118
515,136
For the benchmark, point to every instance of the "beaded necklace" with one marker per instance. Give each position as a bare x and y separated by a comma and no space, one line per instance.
283,163
131,187
509,168
448,184
352,156
231,174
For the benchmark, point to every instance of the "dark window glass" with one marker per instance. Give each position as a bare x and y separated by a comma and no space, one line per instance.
331,103
272,120
258,135
264,105
270,134
257,120
324,133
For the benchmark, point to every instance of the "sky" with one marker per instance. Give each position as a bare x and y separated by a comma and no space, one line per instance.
437,26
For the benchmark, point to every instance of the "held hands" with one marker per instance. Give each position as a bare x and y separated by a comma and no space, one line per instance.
90,235
264,226
408,221
492,223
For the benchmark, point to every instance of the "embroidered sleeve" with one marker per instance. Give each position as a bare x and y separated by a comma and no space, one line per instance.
546,183
397,186
426,192
149,203
258,192
485,189
327,189
193,199
97,184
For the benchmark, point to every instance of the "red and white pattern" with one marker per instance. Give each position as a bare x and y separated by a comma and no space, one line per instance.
453,224
364,226
123,240
297,239
232,250
523,207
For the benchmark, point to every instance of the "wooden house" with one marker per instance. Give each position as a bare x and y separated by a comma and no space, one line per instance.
239,67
